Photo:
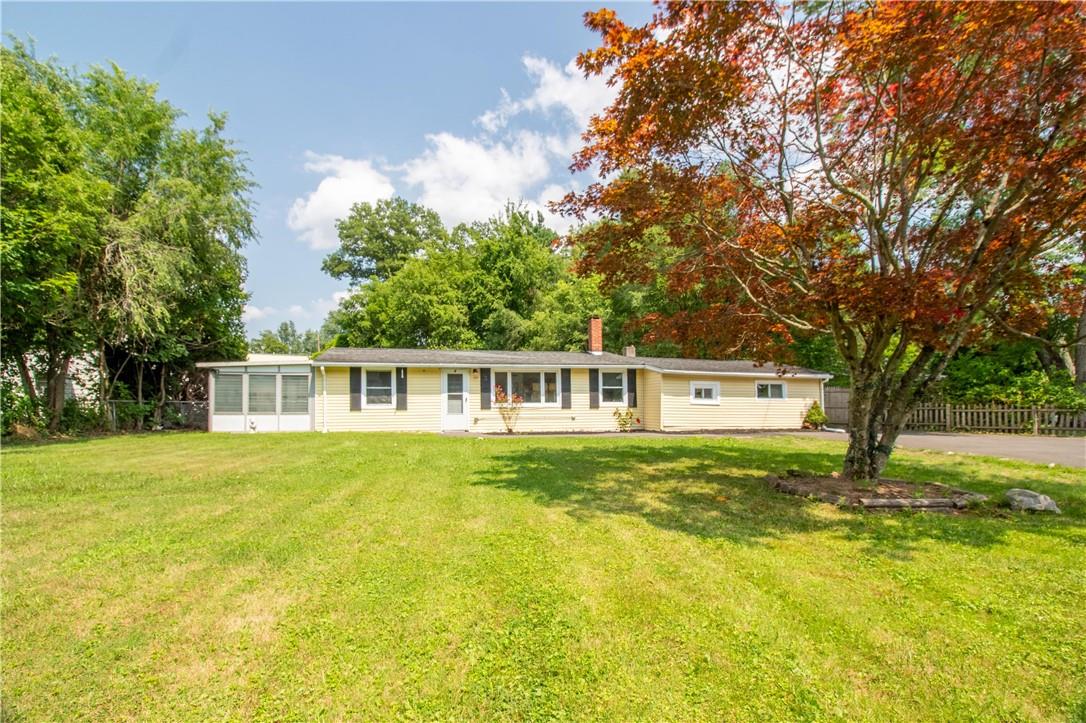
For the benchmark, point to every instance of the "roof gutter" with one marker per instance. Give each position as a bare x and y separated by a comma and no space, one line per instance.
768,375
586,364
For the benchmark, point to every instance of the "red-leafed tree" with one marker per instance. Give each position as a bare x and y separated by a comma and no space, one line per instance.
897,175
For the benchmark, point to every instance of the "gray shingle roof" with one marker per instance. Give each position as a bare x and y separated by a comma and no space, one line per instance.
725,366
481,358
469,357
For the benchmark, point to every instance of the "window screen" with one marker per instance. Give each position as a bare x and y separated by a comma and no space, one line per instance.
526,384
611,388
378,388
550,387
228,394
703,391
767,390
261,394
295,394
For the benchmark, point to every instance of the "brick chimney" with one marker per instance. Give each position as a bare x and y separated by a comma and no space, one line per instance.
631,350
595,335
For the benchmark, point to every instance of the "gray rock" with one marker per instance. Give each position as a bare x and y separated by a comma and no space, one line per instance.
1031,501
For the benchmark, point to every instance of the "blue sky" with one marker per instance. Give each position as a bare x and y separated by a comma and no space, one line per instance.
457,105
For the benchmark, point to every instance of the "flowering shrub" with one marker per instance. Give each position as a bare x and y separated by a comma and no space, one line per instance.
508,407
625,419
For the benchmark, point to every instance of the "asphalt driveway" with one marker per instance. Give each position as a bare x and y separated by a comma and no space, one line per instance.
1067,451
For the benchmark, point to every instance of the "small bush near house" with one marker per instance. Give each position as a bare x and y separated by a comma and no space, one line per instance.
815,418
625,419
509,406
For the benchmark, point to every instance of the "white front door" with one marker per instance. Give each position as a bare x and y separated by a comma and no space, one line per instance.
454,388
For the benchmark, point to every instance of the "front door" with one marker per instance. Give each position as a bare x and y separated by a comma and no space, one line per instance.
455,412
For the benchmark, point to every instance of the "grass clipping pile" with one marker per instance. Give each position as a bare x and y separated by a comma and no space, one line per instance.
886,494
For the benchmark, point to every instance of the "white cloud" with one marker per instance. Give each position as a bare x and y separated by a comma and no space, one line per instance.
465,178
317,309
320,308
256,313
564,89
469,179
347,181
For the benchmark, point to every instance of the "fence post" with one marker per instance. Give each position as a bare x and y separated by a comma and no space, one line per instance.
949,426
1036,421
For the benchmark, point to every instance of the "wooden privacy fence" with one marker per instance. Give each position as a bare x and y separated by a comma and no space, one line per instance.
944,417
836,399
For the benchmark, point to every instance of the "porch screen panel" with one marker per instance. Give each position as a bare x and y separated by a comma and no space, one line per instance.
228,394
294,397
261,394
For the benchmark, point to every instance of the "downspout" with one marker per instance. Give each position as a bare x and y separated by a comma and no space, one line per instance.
210,399
324,403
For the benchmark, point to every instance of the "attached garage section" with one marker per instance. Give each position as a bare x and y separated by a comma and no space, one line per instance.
691,402
256,396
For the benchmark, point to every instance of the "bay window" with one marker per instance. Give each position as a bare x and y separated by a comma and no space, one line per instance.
534,387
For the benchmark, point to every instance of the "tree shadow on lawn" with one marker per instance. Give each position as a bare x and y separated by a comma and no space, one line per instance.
719,492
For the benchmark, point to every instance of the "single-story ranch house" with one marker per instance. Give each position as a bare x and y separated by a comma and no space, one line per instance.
421,390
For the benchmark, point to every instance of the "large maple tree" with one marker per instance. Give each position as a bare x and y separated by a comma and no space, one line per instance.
897,175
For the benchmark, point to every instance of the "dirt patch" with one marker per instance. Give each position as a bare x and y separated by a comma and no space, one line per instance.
884,494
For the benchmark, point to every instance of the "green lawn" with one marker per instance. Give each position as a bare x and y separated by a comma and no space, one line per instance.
195,576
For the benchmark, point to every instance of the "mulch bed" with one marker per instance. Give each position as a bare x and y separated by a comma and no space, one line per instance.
886,494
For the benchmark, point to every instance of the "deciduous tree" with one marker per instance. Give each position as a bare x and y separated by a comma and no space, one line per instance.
893,174
375,240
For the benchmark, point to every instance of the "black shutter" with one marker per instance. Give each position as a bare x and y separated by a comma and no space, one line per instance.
567,384
401,387
484,388
356,389
593,388
631,387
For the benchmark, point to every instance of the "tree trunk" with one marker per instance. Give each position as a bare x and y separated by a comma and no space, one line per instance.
28,379
873,429
103,379
55,383
858,455
160,403
1079,355
139,392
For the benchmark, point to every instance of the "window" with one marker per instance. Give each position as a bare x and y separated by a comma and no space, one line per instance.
705,392
228,394
770,390
294,394
528,385
613,387
378,388
261,394
536,387
550,387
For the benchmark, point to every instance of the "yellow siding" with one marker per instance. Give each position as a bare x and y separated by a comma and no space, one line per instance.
651,401
663,403
739,408
423,413
555,419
